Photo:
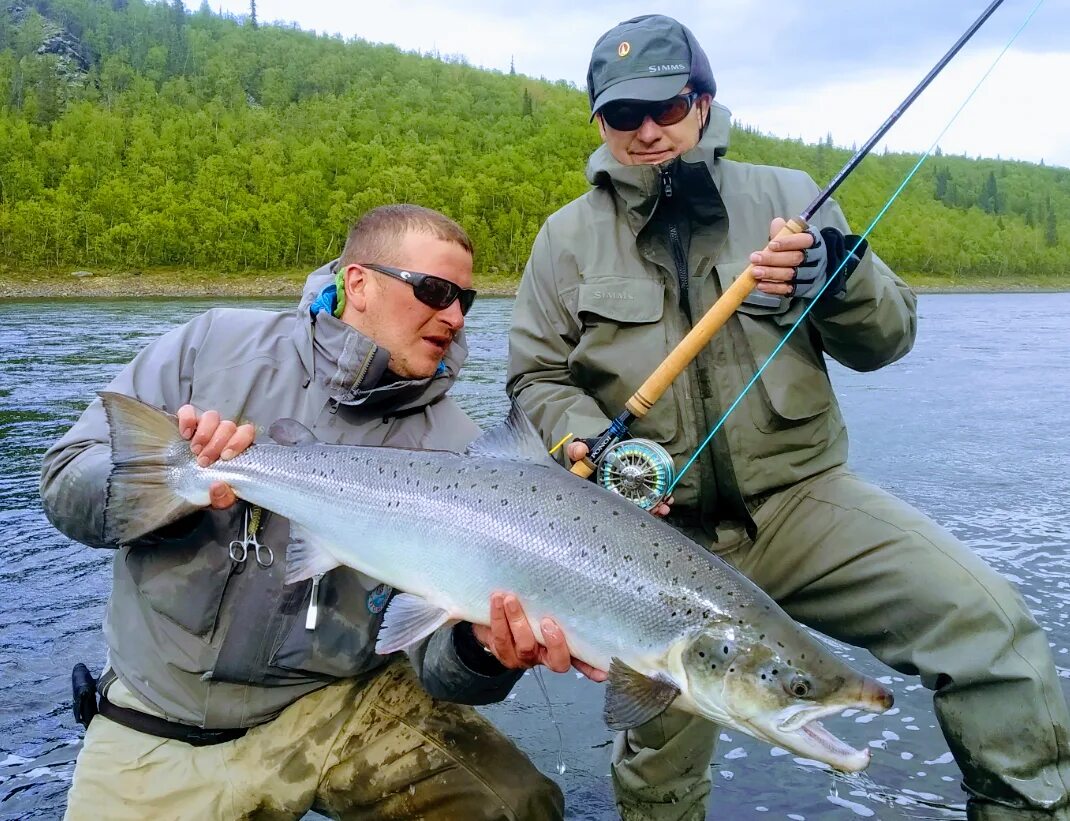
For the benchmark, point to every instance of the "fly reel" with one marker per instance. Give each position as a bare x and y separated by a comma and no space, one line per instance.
639,470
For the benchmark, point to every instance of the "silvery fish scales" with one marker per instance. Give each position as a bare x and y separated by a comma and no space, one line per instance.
672,623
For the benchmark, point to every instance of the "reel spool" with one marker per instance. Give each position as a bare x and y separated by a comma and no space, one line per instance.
639,470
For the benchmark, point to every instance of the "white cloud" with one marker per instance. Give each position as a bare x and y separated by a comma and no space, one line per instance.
835,67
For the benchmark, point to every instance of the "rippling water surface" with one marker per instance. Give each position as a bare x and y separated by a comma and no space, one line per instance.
971,427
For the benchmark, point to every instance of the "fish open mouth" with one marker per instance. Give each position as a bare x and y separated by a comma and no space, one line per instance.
799,730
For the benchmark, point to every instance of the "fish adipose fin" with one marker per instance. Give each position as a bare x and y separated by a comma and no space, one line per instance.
291,433
145,448
633,699
307,556
408,619
515,439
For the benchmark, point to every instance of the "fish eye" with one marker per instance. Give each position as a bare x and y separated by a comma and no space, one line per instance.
799,687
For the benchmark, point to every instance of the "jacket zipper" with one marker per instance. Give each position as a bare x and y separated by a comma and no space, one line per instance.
676,247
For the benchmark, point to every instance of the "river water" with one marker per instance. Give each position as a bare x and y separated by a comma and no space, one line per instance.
972,427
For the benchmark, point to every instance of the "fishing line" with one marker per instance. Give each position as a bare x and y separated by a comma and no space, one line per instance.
861,239
537,672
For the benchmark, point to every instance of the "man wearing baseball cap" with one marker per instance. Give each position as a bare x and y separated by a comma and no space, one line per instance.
614,282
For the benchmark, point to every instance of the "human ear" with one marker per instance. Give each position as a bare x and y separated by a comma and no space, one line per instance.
355,279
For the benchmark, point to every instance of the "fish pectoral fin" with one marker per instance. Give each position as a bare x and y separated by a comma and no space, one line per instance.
307,556
408,619
633,698
291,433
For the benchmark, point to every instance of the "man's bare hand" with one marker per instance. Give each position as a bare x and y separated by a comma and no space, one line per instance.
212,438
776,265
578,450
512,641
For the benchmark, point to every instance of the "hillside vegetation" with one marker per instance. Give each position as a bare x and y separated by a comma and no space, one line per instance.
135,135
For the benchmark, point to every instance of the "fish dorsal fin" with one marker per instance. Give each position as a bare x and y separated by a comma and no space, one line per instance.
407,620
515,439
291,433
633,698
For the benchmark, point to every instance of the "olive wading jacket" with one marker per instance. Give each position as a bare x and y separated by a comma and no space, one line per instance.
214,643
614,280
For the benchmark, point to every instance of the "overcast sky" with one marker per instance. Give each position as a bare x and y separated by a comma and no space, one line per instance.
794,70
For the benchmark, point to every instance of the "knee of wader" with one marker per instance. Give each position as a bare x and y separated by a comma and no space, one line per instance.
985,620
542,799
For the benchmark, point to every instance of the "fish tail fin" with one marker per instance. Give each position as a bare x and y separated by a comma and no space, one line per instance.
146,447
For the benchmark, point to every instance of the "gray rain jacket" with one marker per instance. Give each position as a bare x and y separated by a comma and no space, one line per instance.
217,644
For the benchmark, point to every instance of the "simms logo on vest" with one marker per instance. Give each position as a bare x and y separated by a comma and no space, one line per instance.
673,67
612,295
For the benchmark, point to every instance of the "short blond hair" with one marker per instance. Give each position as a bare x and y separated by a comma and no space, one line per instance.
376,235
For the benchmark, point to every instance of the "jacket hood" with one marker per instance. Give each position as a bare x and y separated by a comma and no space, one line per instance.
353,367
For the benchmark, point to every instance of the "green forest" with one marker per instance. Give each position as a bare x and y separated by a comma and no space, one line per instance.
139,135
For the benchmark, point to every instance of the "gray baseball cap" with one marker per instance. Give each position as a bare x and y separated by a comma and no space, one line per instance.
646,58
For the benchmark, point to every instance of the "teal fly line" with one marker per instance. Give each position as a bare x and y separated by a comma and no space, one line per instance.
861,239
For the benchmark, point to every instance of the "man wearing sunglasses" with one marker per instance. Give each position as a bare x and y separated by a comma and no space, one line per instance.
617,277
227,692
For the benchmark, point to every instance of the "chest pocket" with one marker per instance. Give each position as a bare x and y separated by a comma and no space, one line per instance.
623,339
794,388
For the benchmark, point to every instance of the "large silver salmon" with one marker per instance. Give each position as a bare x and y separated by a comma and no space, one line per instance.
673,624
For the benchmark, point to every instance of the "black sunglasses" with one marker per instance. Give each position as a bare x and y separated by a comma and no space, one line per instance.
435,292
628,115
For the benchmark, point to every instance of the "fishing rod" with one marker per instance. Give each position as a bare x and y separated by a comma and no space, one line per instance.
641,470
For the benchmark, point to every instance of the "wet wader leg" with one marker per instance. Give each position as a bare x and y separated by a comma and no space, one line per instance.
403,755
864,567
661,770
124,775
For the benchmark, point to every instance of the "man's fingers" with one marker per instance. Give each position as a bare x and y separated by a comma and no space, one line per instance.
576,451
527,648
206,426
501,636
187,421
210,452
557,656
593,673
242,439
221,496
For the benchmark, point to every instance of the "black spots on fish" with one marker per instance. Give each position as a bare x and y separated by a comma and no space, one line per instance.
775,671
616,513
594,501
594,528
605,549
382,470
656,544
718,586
627,557
614,574
550,525
702,654
802,657
640,589
763,677
780,644
505,502
575,518
668,562
583,554
688,613
761,637
493,471
534,489
675,580
642,525
724,649
730,592
492,487
412,464
560,498
705,613
438,470
655,554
